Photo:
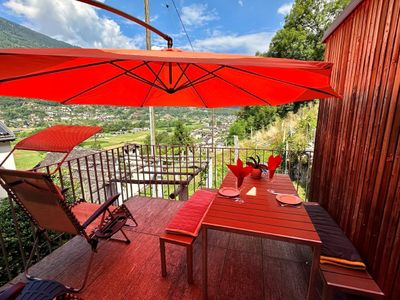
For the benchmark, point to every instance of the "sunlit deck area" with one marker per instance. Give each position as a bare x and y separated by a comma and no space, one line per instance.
240,267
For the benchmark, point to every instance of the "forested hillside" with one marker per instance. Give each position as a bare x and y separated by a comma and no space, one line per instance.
299,38
13,35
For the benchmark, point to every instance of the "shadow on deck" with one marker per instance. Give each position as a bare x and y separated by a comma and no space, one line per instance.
240,267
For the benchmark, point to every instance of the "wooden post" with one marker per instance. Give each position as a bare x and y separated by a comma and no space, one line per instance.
151,109
148,47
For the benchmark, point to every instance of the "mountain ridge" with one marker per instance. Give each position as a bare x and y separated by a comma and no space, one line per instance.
13,35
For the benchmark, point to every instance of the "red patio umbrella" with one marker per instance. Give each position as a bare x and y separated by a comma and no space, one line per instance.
160,78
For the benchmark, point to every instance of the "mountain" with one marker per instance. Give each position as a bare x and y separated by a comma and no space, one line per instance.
13,35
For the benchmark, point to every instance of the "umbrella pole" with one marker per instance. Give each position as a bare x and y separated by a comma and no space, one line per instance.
151,109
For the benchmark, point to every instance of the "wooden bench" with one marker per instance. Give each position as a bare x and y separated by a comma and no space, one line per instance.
186,224
348,281
181,240
338,278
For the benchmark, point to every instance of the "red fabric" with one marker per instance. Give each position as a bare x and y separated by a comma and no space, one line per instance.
167,78
273,164
239,171
58,138
188,219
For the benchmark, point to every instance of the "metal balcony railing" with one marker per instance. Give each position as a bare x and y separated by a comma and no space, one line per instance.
161,171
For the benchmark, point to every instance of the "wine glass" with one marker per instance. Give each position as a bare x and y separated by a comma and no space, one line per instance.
239,186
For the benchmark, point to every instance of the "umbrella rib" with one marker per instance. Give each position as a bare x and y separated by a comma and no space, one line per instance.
134,76
97,85
56,71
151,86
202,78
154,73
180,76
238,87
282,81
198,94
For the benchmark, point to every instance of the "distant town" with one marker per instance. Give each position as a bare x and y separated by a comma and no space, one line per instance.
24,116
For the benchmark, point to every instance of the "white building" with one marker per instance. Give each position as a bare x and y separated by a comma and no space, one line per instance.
6,137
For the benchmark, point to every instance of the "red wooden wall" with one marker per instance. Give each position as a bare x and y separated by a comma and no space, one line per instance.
357,157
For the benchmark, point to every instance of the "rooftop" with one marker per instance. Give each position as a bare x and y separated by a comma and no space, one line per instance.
5,133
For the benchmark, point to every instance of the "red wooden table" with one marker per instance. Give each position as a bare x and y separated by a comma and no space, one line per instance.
261,215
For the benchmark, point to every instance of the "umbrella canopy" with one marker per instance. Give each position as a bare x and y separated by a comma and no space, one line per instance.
160,78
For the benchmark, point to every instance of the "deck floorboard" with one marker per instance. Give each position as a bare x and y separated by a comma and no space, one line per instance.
240,267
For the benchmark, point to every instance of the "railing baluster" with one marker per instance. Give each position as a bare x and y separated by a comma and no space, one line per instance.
130,170
80,178
89,180
167,168
139,186
61,178
161,171
223,163
102,176
96,178
72,180
143,170
153,152
125,175
149,168
173,168
110,182
121,180
115,179
214,152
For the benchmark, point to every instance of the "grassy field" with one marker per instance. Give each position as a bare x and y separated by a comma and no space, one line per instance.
25,160
106,141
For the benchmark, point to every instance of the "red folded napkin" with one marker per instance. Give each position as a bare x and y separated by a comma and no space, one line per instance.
273,164
239,171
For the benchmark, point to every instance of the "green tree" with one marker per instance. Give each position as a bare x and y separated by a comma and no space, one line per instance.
300,38
162,138
181,135
238,128
305,25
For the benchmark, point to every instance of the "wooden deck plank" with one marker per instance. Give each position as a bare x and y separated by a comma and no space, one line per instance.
282,273
120,271
242,276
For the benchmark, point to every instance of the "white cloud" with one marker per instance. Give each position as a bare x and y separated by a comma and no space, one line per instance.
241,3
197,14
285,9
234,43
73,22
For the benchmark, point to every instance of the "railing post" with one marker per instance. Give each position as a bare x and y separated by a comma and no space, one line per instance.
210,174
184,193
236,146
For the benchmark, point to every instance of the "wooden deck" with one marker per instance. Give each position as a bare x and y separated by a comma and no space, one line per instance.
245,267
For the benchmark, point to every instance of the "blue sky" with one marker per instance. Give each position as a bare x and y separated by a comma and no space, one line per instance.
230,26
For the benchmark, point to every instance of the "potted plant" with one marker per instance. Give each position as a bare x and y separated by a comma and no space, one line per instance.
258,168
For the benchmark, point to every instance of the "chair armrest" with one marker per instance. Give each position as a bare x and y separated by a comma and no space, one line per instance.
100,210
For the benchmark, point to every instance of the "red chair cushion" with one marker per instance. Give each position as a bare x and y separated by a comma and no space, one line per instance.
188,219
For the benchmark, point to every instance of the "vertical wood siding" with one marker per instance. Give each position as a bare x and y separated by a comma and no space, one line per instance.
357,156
